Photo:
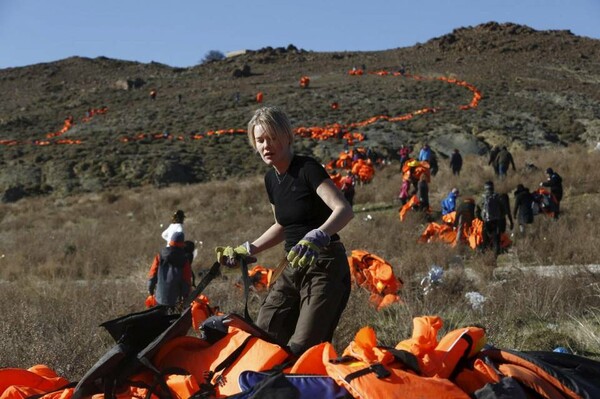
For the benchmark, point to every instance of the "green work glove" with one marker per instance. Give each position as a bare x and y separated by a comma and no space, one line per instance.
306,252
230,256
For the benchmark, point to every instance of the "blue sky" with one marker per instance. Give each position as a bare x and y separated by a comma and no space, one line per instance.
181,32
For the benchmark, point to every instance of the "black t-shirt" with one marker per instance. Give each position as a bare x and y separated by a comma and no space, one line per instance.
298,208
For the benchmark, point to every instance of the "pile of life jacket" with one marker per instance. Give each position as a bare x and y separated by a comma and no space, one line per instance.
354,160
232,358
375,275
471,235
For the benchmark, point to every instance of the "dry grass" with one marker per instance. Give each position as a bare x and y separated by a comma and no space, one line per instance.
68,264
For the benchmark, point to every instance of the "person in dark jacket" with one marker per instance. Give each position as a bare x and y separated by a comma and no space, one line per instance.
423,193
493,158
489,210
506,213
433,164
554,183
456,162
170,276
523,212
504,159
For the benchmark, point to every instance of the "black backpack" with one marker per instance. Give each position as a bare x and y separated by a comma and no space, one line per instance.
491,209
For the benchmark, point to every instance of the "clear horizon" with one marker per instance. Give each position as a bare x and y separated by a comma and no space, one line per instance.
180,34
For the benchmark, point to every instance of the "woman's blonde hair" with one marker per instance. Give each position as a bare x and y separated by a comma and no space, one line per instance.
275,123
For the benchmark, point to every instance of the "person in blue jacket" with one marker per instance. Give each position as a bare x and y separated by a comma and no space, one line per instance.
425,153
449,203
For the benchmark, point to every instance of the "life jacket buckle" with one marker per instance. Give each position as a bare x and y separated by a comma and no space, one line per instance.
379,370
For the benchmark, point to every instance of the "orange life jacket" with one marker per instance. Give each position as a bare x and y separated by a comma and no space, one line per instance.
219,364
376,275
413,201
441,358
20,383
369,371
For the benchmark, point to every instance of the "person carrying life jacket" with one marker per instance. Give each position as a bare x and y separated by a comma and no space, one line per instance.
465,213
449,203
554,183
489,210
170,276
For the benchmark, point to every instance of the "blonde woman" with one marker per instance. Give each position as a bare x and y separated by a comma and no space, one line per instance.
305,303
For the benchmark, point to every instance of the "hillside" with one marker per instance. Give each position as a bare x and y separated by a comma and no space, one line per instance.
539,89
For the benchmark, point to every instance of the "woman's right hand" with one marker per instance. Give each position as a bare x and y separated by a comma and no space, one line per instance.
230,256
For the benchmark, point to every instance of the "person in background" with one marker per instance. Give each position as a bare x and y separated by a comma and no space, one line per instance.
493,161
170,276
190,253
433,163
504,159
456,162
425,153
449,203
489,210
465,213
404,153
403,195
348,183
523,212
423,193
506,213
554,183
176,225
304,305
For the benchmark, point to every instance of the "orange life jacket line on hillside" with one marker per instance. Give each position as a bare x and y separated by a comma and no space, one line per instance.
259,97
